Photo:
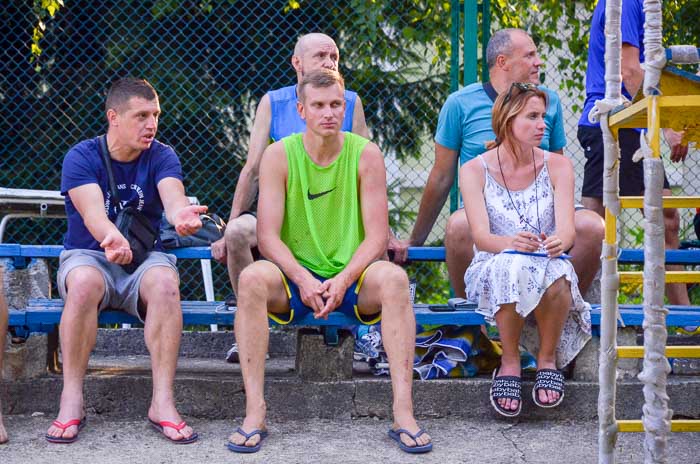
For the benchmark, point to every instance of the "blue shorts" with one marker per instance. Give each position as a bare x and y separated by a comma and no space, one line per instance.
298,309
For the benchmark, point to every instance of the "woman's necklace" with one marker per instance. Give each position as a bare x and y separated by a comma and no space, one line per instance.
523,220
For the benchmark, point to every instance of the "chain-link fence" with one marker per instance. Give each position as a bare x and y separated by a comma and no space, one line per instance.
212,61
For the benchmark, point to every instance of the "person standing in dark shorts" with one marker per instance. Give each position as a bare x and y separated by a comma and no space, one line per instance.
590,135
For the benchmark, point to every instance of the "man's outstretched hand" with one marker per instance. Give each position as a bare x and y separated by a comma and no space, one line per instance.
187,220
117,249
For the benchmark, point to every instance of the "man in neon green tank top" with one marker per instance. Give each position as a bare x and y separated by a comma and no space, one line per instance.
323,225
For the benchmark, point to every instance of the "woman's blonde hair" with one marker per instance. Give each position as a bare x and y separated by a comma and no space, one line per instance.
508,105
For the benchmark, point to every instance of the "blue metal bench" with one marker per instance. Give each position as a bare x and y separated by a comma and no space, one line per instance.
42,315
627,255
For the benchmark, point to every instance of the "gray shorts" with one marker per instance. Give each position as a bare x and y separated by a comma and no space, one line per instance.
121,288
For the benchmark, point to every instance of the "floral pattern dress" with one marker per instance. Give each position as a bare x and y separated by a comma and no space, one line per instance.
496,279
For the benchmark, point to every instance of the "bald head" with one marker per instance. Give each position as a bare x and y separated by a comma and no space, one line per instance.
309,40
314,51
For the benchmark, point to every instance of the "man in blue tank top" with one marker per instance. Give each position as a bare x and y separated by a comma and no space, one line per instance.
276,117
464,125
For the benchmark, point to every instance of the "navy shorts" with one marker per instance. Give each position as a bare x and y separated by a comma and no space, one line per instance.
631,173
299,310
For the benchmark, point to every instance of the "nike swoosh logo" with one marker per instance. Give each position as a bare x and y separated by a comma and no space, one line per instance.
313,196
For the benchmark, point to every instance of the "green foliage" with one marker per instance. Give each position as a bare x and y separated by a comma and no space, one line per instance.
212,60
43,9
562,28
432,284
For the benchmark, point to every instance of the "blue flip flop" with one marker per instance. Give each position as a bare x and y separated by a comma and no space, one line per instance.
247,449
396,435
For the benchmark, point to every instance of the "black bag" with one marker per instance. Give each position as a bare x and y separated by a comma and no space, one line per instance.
212,230
132,223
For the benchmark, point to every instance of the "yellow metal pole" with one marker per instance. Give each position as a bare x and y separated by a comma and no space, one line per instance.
671,351
672,277
680,425
654,126
610,227
668,202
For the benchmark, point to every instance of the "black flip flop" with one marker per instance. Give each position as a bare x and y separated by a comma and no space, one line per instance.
506,386
548,379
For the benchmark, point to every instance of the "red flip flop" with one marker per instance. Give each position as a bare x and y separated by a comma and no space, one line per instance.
63,426
160,426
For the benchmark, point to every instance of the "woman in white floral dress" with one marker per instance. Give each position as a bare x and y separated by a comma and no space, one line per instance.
519,201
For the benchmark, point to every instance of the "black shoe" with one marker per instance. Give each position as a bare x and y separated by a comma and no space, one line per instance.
231,300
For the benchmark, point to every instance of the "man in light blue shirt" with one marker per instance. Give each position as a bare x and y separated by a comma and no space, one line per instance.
464,125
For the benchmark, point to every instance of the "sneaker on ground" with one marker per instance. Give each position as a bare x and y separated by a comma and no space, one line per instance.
368,346
232,355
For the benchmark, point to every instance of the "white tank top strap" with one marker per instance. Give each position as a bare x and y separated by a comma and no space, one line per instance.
483,162
546,155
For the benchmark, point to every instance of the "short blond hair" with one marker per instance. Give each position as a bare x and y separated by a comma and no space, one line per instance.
320,78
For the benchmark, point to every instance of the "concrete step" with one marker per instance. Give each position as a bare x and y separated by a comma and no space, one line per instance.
208,388
112,440
199,344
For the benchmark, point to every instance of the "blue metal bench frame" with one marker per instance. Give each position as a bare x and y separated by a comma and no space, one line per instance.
42,315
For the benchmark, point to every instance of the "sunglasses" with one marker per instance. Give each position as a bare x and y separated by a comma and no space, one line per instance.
522,87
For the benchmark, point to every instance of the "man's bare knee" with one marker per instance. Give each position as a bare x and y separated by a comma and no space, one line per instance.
393,279
161,285
589,226
457,228
395,274
85,287
253,282
241,232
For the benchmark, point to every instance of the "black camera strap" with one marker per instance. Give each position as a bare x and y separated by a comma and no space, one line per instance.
107,159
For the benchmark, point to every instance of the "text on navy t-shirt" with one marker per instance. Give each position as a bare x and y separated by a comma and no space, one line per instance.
137,184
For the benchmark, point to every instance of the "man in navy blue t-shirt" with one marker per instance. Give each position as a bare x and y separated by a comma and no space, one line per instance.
591,137
91,276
